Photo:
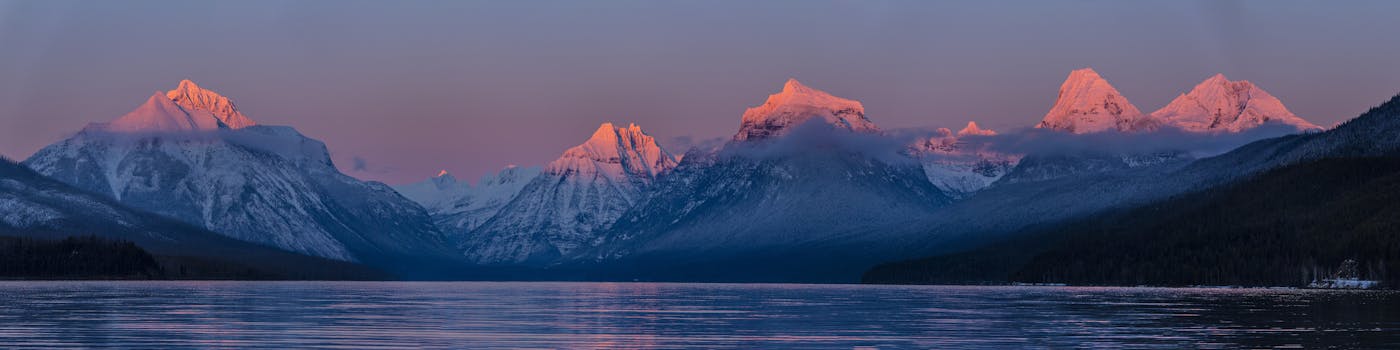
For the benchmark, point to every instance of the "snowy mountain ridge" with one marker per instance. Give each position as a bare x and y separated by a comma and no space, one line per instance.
160,114
795,105
1221,105
459,207
617,153
568,205
262,184
799,191
784,180
960,168
191,97
1087,103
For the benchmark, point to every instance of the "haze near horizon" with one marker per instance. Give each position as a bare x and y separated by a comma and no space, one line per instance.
399,91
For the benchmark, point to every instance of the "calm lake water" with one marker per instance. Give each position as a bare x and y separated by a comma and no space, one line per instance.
645,315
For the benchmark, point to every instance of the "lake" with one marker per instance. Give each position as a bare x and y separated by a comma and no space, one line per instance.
660,315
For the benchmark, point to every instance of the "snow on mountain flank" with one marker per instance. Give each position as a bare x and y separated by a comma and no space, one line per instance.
178,155
160,114
791,195
795,105
438,188
617,153
194,98
1088,104
187,108
960,168
568,206
973,129
1221,105
459,207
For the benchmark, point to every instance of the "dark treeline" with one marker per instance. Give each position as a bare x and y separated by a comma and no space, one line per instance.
74,257
93,257
1285,227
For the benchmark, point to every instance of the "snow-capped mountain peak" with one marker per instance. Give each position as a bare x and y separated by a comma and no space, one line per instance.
263,184
567,207
973,129
1221,105
1087,103
615,152
444,180
958,167
510,174
796,104
457,207
192,98
160,114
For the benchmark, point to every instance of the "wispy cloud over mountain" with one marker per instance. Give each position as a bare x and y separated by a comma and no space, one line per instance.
1040,141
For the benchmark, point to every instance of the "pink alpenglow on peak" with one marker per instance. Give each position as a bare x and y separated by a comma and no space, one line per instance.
973,129
617,153
944,140
797,104
1220,105
444,180
1088,104
160,114
194,98
187,108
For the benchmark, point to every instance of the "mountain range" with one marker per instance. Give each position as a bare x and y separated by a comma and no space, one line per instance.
568,206
190,155
1277,212
808,188
35,206
1087,103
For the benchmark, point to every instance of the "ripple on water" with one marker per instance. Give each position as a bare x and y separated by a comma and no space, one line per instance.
647,315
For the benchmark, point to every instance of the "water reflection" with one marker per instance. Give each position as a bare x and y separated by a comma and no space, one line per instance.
629,315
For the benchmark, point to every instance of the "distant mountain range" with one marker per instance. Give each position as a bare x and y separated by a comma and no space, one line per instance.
1299,207
568,206
35,206
1088,104
809,189
190,155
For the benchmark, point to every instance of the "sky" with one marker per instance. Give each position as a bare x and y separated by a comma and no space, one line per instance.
400,90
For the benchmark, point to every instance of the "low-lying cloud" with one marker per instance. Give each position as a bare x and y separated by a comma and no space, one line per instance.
1042,141
893,145
818,136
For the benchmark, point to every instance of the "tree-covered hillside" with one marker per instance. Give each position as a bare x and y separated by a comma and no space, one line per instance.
74,257
1281,228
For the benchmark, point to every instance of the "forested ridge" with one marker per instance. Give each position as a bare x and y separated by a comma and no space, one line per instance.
93,257
1284,227
74,257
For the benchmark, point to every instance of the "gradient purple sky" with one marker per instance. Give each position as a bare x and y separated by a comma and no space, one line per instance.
413,87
